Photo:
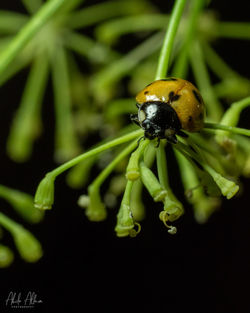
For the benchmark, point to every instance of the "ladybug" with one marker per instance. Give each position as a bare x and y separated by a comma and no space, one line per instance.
168,106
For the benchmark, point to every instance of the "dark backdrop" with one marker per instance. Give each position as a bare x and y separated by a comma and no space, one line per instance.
204,268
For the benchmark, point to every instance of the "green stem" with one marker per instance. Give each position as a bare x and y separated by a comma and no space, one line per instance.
99,12
217,64
32,5
88,47
133,170
235,130
59,170
234,30
110,31
136,203
162,166
26,125
66,142
106,172
68,7
111,74
203,81
181,65
203,205
16,66
169,39
11,22
7,223
151,183
28,32
232,115
127,193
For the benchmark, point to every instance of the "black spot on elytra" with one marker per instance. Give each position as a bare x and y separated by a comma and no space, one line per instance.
169,79
190,118
170,95
197,96
175,97
146,92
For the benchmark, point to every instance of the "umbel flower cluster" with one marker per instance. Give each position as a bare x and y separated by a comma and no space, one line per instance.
210,164
50,39
210,161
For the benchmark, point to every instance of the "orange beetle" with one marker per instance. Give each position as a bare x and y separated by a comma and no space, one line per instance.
168,105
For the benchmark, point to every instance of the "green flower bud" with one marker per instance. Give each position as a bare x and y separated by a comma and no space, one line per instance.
204,207
23,203
228,188
44,197
246,168
125,222
6,256
28,246
231,118
136,203
152,184
96,210
83,201
172,207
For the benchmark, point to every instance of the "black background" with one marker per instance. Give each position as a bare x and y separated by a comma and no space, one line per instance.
204,268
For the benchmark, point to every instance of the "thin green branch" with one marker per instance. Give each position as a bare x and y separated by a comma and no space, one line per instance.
162,166
88,47
16,66
28,32
234,30
26,125
107,171
235,130
66,142
110,31
59,170
168,42
32,6
202,76
11,22
217,64
181,65
102,11
111,74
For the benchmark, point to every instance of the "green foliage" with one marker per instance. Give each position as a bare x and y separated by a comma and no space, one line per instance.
93,100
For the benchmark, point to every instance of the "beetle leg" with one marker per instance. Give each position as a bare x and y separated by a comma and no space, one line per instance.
182,134
172,139
134,118
139,140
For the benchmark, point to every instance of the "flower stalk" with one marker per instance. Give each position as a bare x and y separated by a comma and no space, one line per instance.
125,225
151,183
133,169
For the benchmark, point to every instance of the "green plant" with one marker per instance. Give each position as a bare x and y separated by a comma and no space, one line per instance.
205,168
91,100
